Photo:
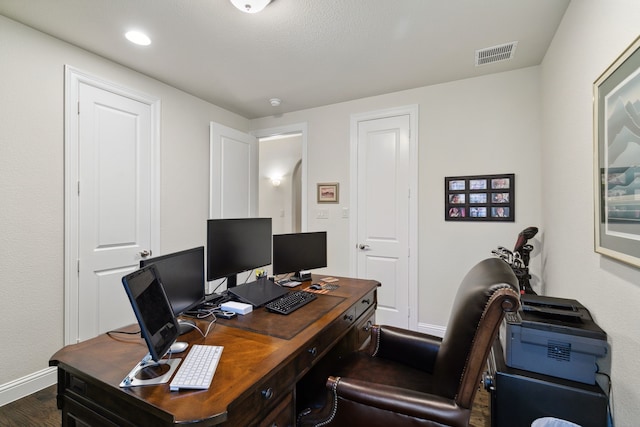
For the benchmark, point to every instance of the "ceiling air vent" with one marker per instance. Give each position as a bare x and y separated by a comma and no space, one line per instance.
489,55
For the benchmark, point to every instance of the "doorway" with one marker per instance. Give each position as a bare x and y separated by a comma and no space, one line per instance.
280,181
283,176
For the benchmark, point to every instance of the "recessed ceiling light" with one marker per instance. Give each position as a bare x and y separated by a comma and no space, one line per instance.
138,38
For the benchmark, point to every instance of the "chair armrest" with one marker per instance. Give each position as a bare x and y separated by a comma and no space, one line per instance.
396,400
410,348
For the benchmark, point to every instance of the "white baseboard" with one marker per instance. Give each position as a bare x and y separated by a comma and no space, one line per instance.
27,385
435,330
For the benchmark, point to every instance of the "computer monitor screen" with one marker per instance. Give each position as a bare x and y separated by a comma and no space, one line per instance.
296,252
182,275
158,324
237,245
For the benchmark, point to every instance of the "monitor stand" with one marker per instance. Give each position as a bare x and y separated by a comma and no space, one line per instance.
302,276
148,372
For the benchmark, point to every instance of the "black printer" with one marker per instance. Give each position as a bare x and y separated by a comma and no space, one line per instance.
553,336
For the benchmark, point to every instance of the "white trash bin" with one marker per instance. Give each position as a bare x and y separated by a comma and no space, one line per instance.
552,422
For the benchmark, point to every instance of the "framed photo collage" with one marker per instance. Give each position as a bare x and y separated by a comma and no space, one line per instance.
479,198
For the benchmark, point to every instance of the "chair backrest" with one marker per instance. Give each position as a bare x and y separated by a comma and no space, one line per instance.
488,290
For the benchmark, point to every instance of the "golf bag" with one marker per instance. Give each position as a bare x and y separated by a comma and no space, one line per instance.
518,259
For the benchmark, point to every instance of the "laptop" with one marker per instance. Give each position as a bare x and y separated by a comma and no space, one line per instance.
258,293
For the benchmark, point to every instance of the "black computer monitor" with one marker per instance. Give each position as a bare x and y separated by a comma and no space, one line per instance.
158,324
182,275
296,252
237,245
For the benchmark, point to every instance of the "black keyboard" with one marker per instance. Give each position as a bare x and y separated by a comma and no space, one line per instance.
290,302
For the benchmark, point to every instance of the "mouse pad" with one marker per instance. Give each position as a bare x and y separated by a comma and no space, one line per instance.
264,322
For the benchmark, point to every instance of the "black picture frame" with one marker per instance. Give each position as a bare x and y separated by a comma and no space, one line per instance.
480,198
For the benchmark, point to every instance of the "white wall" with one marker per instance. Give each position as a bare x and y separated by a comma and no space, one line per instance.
592,35
486,125
32,183
491,124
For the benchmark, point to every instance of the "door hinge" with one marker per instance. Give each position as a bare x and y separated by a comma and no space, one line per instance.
78,107
78,265
78,188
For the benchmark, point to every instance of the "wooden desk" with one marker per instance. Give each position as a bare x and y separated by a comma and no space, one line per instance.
265,355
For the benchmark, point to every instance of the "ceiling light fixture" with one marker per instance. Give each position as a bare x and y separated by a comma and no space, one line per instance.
275,102
250,6
276,181
138,38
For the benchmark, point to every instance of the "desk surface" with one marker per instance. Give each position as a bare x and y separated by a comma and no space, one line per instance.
256,348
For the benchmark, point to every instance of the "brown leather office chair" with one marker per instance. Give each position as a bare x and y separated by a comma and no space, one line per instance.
409,378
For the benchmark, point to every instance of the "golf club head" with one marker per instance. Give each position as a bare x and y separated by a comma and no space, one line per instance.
524,236
504,250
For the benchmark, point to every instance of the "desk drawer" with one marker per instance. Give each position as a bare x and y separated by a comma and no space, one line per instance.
363,328
282,416
80,405
264,398
327,339
365,303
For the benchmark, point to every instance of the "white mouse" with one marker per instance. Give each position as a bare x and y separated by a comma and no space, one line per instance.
178,347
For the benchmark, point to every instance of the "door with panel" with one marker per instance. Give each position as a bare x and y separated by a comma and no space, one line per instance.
383,213
115,188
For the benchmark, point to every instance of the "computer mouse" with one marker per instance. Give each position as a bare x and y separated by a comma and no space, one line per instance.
316,286
178,347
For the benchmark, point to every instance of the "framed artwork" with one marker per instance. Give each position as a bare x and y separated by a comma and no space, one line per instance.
328,192
479,198
616,112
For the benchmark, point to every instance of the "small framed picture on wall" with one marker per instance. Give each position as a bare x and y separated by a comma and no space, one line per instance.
328,192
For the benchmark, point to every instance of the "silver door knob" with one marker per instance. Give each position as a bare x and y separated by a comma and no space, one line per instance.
145,253
363,247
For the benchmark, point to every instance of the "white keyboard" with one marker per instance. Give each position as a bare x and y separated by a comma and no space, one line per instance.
197,369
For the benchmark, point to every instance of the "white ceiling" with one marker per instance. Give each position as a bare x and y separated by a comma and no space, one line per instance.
309,53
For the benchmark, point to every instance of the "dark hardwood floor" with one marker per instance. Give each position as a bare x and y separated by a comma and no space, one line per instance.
39,409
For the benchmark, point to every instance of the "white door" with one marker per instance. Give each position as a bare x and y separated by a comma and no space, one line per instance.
383,214
234,173
115,203
234,176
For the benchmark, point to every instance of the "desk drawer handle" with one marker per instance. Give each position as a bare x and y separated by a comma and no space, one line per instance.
366,301
313,351
268,393
368,326
348,317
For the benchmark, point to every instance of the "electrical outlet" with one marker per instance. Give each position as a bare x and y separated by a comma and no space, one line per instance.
322,214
